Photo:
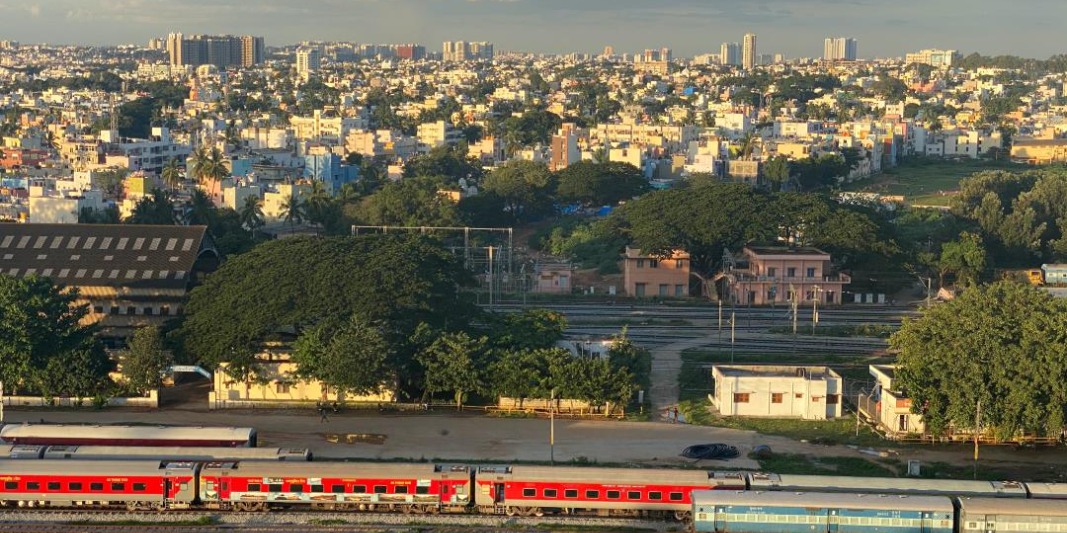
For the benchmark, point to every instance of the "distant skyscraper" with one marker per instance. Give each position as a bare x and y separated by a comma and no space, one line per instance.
220,50
609,51
308,60
839,49
665,54
462,50
748,53
730,54
252,50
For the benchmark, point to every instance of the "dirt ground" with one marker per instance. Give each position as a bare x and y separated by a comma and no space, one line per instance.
461,437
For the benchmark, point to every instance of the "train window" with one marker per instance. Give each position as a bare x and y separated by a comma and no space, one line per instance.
254,487
633,495
53,485
614,494
570,493
551,493
140,487
118,486
96,486
529,493
655,495
74,486
296,487
274,487
33,485
360,489
11,485
400,489
316,488
592,494
381,489
422,490
676,496
337,489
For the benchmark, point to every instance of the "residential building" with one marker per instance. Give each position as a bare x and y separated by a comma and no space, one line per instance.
564,150
730,54
887,407
434,134
321,165
934,58
221,51
325,127
253,51
308,60
765,275
839,49
748,52
129,275
805,392
62,207
647,275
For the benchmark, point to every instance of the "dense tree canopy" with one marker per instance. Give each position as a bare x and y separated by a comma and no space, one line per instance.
43,348
297,283
1022,216
410,202
594,184
1004,345
525,187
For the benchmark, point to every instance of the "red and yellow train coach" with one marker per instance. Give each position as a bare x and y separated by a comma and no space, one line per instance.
536,490
135,485
411,488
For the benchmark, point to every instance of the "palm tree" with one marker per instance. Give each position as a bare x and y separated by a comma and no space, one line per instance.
208,166
292,211
252,213
172,173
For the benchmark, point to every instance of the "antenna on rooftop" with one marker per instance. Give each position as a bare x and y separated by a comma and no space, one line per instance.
114,113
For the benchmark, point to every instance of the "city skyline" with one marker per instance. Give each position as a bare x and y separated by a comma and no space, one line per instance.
795,28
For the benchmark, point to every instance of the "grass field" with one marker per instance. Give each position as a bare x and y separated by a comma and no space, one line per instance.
694,382
926,181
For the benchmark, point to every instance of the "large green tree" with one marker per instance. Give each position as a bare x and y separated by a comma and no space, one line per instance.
526,187
43,346
454,362
1002,345
296,283
410,202
145,359
351,355
594,184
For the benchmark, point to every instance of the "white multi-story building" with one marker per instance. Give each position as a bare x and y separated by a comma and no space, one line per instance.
730,54
839,49
748,52
308,60
323,127
434,134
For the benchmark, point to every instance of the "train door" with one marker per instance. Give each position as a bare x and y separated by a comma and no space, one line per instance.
832,522
718,512
166,491
498,493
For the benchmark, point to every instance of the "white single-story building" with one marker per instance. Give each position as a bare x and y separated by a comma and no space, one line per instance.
806,392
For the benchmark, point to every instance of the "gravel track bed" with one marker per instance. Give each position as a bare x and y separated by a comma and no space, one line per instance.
324,520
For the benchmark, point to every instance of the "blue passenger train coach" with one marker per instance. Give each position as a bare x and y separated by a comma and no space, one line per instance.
789,512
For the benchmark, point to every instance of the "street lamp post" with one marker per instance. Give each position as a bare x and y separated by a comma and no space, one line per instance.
552,428
815,308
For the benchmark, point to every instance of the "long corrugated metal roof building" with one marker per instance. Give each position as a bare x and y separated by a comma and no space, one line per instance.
130,275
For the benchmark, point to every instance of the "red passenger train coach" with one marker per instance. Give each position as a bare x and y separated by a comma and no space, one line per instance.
536,490
412,488
137,485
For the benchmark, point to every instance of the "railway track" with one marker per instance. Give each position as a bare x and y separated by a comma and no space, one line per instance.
67,520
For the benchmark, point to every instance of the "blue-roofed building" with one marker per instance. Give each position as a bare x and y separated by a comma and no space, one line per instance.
327,168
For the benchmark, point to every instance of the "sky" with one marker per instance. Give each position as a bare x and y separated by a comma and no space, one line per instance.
796,28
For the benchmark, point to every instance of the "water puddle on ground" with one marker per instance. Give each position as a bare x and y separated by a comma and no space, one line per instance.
355,438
